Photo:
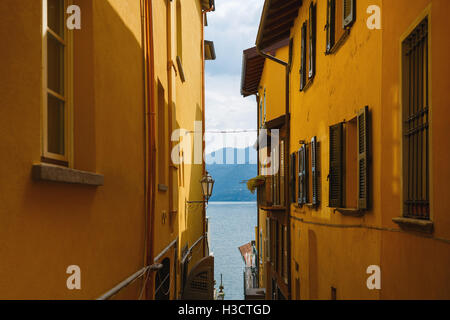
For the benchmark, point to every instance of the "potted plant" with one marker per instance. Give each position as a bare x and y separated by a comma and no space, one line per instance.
255,182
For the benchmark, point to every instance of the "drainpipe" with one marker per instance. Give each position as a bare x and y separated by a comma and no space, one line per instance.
151,134
203,125
288,134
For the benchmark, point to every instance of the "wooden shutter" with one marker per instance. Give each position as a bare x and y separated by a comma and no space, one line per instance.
336,166
200,282
363,158
302,176
312,40
268,239
349,13
292,178
314,172
331,23
303,58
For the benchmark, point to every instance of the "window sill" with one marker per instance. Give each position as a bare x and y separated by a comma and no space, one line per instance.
415,224
308,205
339,43
162,187
273,208
308,84
52,173
350,212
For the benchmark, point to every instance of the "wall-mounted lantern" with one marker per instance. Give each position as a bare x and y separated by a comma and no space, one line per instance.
207,186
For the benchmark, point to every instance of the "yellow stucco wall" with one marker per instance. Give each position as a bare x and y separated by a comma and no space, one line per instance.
273,79
414,266
45,227
187,107
330,250
344,83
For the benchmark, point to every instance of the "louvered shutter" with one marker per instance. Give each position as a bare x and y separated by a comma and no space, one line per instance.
363,152
268,239
349,13
331,23
312,40
303,58
200,282
305,174
300,176
336,166
292,177
314,172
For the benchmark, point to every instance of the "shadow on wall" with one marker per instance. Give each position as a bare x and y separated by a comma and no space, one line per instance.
50,226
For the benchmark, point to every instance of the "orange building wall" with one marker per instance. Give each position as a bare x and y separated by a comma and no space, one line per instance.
415,266
45,227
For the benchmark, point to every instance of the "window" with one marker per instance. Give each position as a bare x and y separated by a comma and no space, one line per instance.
349,163
416,123
291,49
292,169
162,281
278,192
341,14
179,31
162,134
57,81
308,174
262,110
265,107
308,49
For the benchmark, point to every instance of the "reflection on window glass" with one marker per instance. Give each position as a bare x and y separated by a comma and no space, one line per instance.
55,125
55,64
55,14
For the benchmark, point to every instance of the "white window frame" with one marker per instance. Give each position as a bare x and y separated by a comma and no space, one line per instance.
68,88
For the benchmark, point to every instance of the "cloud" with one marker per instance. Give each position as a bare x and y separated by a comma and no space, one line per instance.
233,28
227,110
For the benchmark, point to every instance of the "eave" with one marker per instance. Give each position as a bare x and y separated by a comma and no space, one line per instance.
277,19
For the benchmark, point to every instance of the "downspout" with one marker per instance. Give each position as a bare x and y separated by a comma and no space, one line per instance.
203,125
258,173
288,138
151,165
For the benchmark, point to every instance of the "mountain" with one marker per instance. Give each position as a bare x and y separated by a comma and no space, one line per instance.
229,167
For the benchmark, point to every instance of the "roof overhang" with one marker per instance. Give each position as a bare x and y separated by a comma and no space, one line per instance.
253,65
277,19
207,5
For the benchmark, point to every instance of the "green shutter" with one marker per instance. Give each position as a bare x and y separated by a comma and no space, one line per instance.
336,166
314,171
312,40
331,23
363,158
303,58
302,176
305,174
292,178
349,13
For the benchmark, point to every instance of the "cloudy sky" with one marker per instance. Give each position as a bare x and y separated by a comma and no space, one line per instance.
233,28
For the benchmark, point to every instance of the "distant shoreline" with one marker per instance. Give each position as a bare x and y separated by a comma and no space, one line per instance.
231,202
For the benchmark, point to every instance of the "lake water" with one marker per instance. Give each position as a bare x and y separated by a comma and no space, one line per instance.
231,224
